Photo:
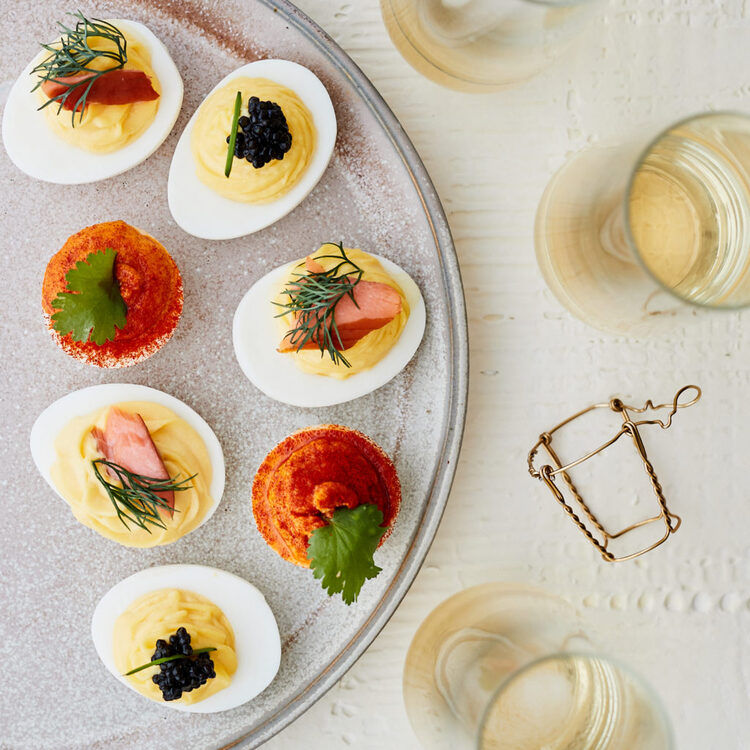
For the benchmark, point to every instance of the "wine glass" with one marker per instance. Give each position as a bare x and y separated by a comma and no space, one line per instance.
630,237
484,45
501,667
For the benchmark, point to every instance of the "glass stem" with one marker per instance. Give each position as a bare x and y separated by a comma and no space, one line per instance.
454,22
613,236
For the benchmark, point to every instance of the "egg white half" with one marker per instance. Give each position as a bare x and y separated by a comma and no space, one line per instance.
53,419
40,153
256,634
206,214
255,334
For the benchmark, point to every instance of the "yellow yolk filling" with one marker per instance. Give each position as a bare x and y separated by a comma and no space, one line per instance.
245,183
159,614
370,349
182,450
108,127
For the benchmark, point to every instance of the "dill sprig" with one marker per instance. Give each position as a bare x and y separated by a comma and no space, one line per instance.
72,56
135,498
312,300
174,657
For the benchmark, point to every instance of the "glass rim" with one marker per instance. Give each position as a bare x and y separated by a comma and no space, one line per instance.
654,699
632,245
479,84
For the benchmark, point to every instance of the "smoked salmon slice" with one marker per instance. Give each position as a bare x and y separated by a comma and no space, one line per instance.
374,305
113,87
127,442
313,266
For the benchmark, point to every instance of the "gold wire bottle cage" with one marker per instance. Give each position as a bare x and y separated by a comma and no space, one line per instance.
548,473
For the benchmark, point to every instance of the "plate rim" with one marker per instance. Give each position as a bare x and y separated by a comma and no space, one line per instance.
456,401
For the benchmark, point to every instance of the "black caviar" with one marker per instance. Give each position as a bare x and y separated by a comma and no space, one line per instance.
181,675
263,135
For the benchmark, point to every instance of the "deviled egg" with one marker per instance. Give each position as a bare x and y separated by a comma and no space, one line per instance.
93,104
112,295
329,328
253,150
134,464
326,498
214,631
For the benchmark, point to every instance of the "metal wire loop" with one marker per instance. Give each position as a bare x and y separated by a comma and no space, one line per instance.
598,536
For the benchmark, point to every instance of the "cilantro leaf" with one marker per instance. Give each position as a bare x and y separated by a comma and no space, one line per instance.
92,305
341,552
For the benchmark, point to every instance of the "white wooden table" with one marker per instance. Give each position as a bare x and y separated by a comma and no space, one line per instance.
679,615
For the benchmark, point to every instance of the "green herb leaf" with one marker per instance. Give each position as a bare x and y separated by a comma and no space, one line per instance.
174,657
233,134
341,553
92,305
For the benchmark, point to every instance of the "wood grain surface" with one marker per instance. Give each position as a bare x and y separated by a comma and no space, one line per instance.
680,614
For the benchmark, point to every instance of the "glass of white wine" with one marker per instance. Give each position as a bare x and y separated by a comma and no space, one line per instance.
503,667
485,45
631,238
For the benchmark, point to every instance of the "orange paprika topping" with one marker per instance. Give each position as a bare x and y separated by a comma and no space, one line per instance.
150,284
310,474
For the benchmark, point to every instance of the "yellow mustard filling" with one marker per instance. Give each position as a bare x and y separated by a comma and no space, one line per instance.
181,448
159,614
370,349
245,183
108,127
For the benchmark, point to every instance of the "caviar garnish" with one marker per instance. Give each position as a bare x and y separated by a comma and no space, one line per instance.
180,668
263,133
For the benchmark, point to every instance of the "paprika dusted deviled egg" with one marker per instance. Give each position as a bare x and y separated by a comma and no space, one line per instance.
325,498
212,633
112,295
254,149
329,328
134,464
94,103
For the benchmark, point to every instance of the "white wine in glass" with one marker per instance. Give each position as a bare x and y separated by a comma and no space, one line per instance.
626,235
574,702
499,666
484,45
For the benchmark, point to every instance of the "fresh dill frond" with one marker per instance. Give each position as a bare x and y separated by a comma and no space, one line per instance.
134,495
312,299
72,55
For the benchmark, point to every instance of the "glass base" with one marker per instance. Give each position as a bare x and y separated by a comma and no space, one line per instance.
468,646
583,254
574,702
480,46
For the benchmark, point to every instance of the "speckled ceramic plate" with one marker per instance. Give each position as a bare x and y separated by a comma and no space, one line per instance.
375,195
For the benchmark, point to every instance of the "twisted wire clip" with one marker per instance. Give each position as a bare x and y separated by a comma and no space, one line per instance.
595,531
